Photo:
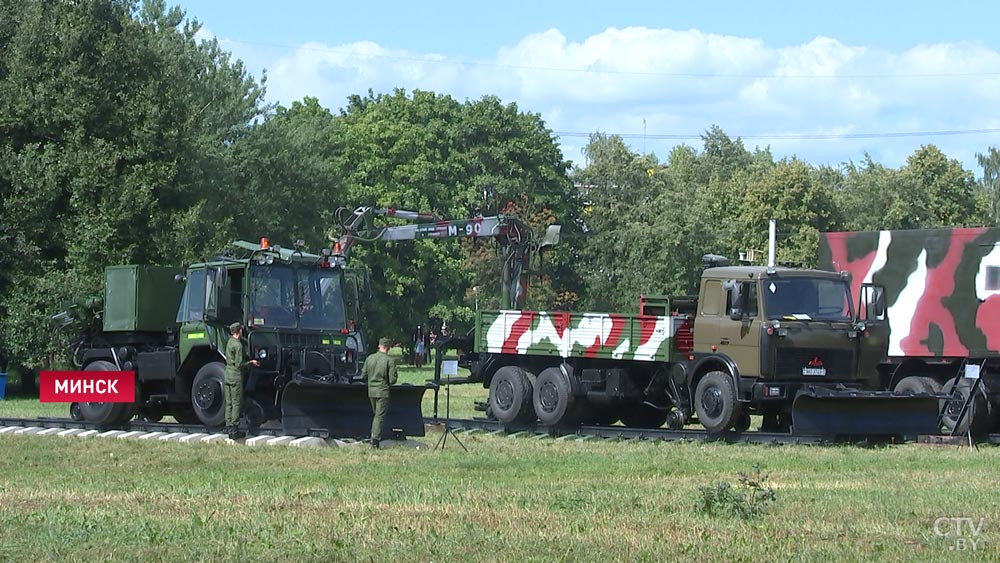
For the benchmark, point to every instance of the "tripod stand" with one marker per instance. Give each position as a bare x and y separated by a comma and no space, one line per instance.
447,399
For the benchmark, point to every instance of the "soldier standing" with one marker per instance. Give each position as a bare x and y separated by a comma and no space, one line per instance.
380,372
233,388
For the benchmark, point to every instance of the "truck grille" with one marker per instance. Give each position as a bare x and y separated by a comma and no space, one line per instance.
790,361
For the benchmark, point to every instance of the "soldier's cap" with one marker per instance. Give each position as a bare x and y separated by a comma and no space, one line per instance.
234,327
384,342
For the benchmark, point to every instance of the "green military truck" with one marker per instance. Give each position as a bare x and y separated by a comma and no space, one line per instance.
303,324
784,343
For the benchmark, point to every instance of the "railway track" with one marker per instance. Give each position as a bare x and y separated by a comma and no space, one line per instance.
272,435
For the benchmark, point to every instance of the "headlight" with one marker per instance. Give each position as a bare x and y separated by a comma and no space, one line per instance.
262,354
862,326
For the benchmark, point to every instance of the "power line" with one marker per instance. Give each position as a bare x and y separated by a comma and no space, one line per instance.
610,71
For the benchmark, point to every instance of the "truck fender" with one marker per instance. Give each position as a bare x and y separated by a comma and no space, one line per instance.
708,363
96,354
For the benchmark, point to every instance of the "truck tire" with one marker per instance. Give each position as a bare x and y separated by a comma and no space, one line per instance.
553,399
510,395
977,416
105,414
207,394
716,403
917,384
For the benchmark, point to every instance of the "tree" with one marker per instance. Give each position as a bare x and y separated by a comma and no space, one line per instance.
286,180
871,196
788,193
950,190
990,184
428,152
116,135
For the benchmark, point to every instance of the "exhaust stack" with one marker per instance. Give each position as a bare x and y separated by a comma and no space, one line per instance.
772,242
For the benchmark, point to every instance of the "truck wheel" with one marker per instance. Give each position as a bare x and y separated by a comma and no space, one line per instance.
106,414
206,394
916,384
644,416
977,416
553,398
716,403
510,395
74,412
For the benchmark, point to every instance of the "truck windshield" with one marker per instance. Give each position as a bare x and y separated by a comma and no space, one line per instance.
321,301
272,296
819,299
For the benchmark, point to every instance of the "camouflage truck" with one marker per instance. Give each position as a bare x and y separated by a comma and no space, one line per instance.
303,324
783,343
942,290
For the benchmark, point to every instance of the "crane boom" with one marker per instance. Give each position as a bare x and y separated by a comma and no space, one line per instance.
515,239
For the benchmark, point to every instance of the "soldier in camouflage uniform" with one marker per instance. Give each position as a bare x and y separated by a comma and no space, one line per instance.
233,387
380,372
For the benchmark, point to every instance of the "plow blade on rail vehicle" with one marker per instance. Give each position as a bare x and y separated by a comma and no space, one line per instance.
344,410
828,412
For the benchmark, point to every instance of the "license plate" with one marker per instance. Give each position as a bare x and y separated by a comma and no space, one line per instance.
813,371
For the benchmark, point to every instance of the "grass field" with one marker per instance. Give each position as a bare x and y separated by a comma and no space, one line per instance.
507,499
510,499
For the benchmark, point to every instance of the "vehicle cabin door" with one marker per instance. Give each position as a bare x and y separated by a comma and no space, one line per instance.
871,342
728,323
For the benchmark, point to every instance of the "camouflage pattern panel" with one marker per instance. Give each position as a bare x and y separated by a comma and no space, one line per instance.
576,335
942,286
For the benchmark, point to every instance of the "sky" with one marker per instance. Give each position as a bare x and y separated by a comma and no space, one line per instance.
827,82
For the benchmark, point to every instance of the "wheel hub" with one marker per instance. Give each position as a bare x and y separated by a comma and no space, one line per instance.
711,402
205,396
505,395
548,396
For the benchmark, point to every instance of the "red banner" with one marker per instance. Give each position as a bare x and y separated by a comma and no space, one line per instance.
86,386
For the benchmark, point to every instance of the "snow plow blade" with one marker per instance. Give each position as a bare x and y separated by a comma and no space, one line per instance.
343,410
844,412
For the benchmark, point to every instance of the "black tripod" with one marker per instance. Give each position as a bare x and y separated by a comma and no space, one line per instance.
439,346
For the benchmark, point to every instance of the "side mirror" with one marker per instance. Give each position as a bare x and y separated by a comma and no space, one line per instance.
872,304
736,314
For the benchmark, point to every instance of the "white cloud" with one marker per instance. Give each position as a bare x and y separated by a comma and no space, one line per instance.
681,83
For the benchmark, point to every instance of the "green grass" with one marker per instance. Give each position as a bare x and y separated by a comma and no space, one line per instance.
507,499
30,407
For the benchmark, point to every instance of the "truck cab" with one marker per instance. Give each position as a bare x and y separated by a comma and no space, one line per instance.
776,330
302,319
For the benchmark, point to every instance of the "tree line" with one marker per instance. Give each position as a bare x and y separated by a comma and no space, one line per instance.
124,139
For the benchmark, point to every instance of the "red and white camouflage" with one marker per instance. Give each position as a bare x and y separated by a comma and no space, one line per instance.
942,286
577,335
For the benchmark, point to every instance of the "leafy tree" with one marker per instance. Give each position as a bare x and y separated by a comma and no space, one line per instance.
871,196
428,152
949,189
788,193
286,180
990,184
116,134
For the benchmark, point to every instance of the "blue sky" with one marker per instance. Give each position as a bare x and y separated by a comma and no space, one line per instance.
826,82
